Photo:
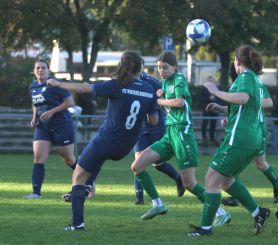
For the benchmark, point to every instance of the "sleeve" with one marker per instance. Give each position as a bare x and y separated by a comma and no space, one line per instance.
245,84
105,89
154,106
181,87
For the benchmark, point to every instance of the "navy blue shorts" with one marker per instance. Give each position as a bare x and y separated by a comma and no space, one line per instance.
98,151
144,140
61,135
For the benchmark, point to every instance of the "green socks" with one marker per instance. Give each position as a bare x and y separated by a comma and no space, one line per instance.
212,203
146,182
272,177
198,191
240,192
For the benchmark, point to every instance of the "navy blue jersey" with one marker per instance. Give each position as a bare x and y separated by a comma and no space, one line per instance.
45,98
127,107
146,127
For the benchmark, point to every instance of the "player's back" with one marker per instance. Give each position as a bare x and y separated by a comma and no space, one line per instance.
127,107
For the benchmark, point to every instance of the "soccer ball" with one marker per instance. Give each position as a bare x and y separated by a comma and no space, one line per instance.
198,31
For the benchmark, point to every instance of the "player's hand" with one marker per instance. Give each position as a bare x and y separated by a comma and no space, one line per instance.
224,122
212,107
46,116
52,82
211,87
33,122
159,93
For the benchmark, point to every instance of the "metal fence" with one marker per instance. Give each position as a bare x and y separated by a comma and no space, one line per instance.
16,133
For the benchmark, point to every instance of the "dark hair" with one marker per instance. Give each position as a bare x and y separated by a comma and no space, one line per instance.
41,60
250,58
129,67
233,73
168,57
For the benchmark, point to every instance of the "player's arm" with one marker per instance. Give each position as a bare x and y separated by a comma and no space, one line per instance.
34,118
73,87
216,108
68,102
267,103
239,98
177,102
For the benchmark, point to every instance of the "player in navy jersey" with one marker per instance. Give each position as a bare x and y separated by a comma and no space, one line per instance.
52,123
129,101
148,135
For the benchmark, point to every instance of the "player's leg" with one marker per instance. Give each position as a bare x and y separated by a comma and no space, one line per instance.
78,195
89,164
169,170
164,167
260,214
212,132
139,192
138,168
41,151
204,130
270,174
231,201
143,141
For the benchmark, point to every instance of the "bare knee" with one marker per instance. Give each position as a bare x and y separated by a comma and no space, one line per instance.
261,164
134,168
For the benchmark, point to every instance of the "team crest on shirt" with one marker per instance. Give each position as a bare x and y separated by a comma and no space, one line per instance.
171,89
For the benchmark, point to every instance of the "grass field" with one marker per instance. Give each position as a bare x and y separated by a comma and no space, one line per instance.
111,217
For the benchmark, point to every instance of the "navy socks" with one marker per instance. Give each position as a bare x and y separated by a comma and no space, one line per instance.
38,174
77,204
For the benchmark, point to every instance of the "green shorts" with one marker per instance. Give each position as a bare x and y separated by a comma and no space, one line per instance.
231,160
176,142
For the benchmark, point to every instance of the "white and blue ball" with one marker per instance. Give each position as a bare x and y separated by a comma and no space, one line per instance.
198,31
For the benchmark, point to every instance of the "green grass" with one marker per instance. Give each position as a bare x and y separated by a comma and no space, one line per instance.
111,217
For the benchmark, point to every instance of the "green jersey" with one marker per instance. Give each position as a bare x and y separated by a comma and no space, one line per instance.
244,127
177,87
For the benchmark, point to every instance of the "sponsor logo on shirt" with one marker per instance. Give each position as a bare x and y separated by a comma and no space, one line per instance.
137,93
38,99
171,89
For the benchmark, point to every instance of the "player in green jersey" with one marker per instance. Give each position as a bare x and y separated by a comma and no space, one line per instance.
242,142
260,160
178,140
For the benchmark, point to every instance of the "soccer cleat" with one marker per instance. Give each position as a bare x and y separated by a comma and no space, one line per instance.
154,211
139,198
222,220
199,231
180,187
89,192
230,201
33,196
275,194
91,189
75,227
67,197
260,219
